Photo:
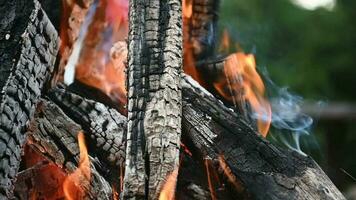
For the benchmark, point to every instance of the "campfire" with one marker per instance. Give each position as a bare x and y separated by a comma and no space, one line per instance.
136,100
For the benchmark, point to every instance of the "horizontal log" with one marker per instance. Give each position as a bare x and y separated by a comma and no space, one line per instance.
28,49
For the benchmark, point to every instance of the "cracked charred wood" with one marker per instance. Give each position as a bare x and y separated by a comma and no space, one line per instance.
189,185
193,178
54,135
105,125
154,96
28,50
256,168
264,170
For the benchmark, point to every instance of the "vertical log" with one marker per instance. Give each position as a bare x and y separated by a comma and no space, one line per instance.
154,96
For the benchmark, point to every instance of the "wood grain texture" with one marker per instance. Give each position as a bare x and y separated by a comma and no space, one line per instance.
28,50
105,125
154,96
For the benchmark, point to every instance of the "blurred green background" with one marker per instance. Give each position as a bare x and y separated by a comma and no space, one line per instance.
313,52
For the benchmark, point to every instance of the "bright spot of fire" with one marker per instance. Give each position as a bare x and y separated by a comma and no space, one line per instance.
187,8
243,83
210,174
75,182
228,173
169,187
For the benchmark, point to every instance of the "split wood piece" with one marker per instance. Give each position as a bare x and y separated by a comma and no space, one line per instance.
54,135
28,50
105,125
264,170
154,96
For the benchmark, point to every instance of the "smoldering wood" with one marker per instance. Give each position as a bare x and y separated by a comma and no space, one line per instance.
154,96
71,101
54,135
28,50
216,132
265,171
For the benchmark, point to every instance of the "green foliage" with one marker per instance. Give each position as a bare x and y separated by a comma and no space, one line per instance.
311,51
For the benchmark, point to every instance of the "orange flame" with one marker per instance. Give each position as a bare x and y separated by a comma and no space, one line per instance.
74,183
187,8
169,187
207,163
231,177
242,82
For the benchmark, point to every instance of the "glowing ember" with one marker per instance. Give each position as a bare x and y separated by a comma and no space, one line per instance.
227,171
75,182
207,163
168,189
187,8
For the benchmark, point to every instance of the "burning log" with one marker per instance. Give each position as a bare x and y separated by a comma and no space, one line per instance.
260,169
54,134
264,170
28,49
154,96
222,139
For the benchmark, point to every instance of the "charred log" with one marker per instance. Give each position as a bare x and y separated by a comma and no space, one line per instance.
54,135
28,50
106,126
264,170
254,167
154,96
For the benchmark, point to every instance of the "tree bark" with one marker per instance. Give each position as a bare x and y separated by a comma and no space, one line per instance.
154,96
28,51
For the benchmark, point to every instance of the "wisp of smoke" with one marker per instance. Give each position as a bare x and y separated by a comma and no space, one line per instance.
288,119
